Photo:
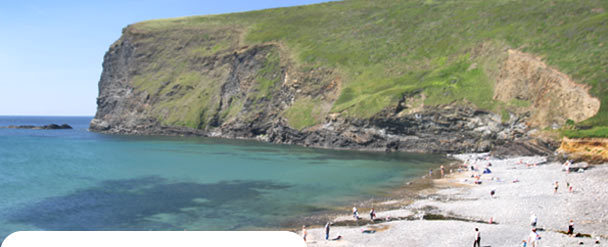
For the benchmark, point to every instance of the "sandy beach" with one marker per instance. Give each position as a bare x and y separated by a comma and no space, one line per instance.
448,213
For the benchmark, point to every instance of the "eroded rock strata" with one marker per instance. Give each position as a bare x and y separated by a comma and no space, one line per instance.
228,99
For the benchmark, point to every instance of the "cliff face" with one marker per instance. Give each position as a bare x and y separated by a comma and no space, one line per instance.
212,79
234,108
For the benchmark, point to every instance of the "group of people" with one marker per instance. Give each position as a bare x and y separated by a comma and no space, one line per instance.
327,228
533,238
372,214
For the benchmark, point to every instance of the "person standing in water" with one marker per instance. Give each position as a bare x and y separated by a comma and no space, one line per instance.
477,238
327,226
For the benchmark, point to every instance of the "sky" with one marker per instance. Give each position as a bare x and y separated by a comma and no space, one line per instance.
51,52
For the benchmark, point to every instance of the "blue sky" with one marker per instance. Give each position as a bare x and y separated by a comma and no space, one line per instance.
51,51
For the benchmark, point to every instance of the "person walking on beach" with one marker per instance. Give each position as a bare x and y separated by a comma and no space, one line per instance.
477,238
571,228
556,187
533,220
442,171
327,226
304,233
533,238
355,213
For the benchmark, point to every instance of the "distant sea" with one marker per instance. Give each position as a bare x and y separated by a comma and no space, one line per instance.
80,180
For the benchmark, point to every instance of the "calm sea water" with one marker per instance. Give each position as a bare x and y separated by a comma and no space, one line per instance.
79,180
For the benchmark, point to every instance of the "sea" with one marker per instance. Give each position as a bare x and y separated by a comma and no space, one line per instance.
80,180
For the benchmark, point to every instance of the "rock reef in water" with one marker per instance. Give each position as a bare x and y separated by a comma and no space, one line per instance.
43,127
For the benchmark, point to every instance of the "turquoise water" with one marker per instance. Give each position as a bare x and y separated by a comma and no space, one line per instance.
78,180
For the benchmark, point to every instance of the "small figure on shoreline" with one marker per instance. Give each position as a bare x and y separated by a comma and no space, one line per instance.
442,171
569,186
327,227
304,232
566,166
477,238
356,213
492,192
556,187
571,228
372,214
533,220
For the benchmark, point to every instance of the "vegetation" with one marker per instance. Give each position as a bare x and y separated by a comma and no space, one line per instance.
601,131
304,113
383,49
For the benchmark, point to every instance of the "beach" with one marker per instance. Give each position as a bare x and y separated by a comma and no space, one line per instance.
447,213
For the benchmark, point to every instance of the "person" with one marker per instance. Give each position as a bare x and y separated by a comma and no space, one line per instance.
477,238
304,233
372,214
442,171
492,192
571,228
533,220
566,166
556,187
524,243
355,213
327,226
533,238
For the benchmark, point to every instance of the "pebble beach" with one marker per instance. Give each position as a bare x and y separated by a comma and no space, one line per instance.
448,213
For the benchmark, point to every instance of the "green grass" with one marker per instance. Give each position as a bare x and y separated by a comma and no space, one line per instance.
268,76
601,131
383,49
304,113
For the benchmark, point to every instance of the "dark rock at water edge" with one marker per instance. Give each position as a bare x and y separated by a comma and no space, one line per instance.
43,127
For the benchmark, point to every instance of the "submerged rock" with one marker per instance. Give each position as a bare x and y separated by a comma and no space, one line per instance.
43,127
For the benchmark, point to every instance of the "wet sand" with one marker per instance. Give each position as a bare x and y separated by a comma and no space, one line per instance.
446,212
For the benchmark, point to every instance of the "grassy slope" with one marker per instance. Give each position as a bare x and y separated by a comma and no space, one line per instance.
385,48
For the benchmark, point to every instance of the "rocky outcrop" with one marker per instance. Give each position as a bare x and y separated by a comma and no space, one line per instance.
592,150
553,96
43,127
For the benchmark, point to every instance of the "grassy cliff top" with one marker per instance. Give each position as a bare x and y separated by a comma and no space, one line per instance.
384,49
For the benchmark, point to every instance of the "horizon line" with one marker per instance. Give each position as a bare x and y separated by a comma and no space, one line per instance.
2,115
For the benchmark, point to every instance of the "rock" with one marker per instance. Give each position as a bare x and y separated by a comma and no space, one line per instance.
47,127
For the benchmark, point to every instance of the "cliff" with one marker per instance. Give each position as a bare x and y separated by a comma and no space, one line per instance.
429,76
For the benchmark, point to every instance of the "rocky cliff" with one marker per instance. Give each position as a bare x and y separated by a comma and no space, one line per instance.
205,77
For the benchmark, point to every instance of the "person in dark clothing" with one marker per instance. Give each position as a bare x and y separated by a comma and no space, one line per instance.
571,228
477,238
372,214
327,230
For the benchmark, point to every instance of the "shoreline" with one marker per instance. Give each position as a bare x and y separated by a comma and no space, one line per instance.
391,201
451,207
